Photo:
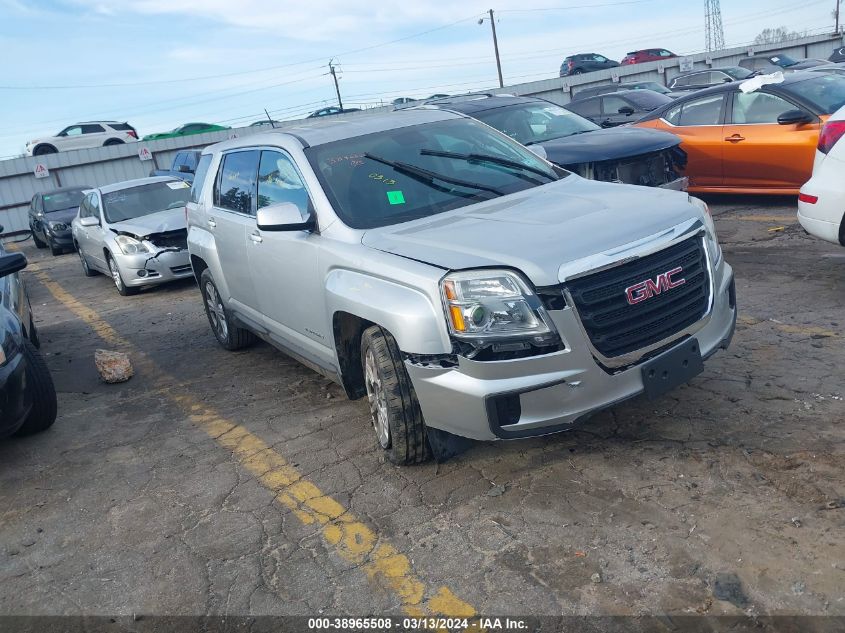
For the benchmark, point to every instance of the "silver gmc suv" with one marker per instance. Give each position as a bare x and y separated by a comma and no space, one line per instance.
467,287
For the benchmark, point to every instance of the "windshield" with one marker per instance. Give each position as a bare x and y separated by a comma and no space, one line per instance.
62,200
647,99
736,72
826,93
413,172
784,61
536,122
136,202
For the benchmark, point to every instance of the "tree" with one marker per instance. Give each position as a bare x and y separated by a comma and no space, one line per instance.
780,34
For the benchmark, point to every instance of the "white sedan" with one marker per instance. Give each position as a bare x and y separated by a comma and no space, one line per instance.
821,203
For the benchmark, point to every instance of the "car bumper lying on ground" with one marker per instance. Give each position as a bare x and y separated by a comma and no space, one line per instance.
149,269
543,394
14,401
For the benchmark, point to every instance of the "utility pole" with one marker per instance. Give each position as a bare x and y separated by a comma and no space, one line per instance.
336,86
836,16
495,45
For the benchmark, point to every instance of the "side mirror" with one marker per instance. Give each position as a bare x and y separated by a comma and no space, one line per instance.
89,221
184,169
727,80
626,110
11,263
284,216
794,116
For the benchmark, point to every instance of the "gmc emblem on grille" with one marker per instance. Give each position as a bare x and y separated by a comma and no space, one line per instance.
650,287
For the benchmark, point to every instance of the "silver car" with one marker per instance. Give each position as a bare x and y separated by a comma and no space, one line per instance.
467,287
135,232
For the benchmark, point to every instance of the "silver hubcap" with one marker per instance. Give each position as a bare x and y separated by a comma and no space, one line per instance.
216,312
115,274
378,400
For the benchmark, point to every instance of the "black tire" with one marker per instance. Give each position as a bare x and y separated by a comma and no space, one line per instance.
577,71
86,269
227,334
113,141
33,334
56,250
43,393
38,242
395,398
117,278
41,150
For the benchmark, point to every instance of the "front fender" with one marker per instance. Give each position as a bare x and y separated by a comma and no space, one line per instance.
407,313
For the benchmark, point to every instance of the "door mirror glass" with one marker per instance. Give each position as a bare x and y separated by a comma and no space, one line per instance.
283,216
11,263
89,221
794,116
184,169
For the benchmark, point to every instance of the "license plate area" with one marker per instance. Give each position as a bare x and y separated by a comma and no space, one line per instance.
672,368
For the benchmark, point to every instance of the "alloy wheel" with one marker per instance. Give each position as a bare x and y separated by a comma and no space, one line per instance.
377,399
216,312
115,274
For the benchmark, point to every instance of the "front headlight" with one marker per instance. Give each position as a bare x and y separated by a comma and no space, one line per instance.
483,305
57,226
130,246
713,247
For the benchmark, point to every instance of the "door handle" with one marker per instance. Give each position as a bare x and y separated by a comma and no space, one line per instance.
211,223
734,138
255,237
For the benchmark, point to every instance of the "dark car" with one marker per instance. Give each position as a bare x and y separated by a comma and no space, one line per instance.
574,143
183,166
698,79
838,54
331,110
585,63
50,214
610,88
618,107
777,61
647,55
27,394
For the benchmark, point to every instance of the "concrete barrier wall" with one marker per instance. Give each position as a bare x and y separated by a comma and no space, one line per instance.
104,165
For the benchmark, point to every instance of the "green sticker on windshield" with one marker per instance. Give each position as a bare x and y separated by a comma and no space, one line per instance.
395,197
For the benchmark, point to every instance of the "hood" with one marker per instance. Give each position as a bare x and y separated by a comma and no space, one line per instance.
607,144
62,215
539,230
161,222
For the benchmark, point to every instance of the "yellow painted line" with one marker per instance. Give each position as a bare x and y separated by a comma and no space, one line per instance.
789,329
347,535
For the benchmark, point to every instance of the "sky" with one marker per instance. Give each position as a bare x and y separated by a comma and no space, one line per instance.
161,63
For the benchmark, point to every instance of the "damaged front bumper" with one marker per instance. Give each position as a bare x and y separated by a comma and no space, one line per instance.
156,267
525,397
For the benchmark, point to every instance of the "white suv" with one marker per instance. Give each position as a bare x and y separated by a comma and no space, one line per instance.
82,136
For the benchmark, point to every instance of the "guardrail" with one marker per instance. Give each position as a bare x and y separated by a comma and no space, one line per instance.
103,165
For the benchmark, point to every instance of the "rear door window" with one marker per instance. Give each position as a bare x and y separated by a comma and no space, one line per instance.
236,183
612,104
586,107
92,129
704,111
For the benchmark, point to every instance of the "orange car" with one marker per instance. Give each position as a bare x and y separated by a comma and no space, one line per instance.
763,141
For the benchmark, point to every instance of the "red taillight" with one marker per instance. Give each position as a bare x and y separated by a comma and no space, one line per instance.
132,133
806,197
570,64
831,132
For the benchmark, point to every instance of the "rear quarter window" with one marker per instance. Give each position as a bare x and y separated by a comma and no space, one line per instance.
122,127
200,177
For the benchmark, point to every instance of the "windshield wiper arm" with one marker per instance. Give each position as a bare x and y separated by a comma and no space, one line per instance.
486,158
427,176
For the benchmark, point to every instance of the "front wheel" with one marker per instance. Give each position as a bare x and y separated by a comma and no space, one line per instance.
227,334
122,288
394,409
43,392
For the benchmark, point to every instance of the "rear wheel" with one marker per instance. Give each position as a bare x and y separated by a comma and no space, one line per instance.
227,333
394,409
113,141
577,71
86,269
41,390
117,278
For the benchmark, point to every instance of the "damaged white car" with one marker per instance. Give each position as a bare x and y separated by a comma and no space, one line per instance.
135,232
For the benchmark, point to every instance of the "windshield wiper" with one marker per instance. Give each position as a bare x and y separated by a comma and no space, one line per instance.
554,138
486,158
426,176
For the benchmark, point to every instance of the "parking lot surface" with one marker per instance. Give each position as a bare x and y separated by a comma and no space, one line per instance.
231,483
